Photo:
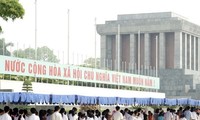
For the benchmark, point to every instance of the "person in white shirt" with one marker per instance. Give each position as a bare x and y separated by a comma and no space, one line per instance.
90,115
73,114
174,114
117,114
126,114
140,111
182,117
97,115
193,114
6,116
198,114
81,115
168,115
131,117
33,115
63,114
21,115
1,113
49,113
187,113
56,115
15,114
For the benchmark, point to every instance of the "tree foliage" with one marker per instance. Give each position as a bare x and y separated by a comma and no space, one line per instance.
43,54
10,9
27,86
3,47
90,62
28,53
46,54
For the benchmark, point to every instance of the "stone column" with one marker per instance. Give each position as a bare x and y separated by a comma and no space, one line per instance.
194,53
178,50
198,53
118,43
146,49
109,43
103,50
132,50
186,66
190,52
161,48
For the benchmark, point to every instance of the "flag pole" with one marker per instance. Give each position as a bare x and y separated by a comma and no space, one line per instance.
95,62
35,34
68,41
35,29
63,57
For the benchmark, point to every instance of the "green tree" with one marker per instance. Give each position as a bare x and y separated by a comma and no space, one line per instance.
46,54
3,47
28,53
43,53
90,62
27,86
10,9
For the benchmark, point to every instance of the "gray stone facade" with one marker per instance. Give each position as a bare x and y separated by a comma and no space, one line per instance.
165,40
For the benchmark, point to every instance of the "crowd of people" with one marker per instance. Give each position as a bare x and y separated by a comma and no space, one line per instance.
188,113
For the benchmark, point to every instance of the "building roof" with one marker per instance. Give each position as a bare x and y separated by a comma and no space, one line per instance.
157,15
149,23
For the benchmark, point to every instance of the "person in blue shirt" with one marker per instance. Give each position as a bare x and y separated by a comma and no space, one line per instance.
161,116
187,113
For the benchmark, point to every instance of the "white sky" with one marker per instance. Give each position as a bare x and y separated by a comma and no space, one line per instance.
53,21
